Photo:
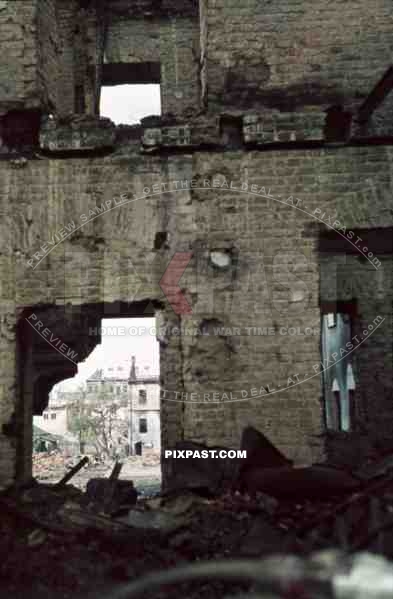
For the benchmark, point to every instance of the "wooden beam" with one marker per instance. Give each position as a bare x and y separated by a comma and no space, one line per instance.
111,488
72,472
376,97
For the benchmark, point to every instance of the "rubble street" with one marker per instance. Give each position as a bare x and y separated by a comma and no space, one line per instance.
145,472
101,538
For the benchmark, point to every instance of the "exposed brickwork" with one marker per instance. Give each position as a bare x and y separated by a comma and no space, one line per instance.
297,53
263,74
179,51
19,55
50,49
133,40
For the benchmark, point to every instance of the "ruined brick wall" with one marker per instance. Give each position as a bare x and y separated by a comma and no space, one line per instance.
50,49
168,36
66,80
276,55
290,54
179,52
19,55
261,288
132,39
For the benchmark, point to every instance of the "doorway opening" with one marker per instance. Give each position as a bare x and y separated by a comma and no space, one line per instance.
109,411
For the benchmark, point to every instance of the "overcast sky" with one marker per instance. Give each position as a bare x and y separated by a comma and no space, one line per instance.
127,104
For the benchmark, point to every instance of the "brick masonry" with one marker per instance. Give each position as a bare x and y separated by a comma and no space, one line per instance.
241,116
19,85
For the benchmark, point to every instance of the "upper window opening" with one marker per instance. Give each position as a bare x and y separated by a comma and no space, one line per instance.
127,104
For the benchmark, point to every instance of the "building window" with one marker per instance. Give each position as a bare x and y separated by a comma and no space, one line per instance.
142,425
46,416
118,389
124,388
53,416
337,376
142,396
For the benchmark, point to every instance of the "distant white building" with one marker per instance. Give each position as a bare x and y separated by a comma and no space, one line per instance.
54,418
137,392
145,424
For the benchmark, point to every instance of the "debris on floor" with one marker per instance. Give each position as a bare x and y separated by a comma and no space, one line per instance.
52,536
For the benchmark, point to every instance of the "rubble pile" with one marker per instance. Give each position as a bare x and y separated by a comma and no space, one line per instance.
53,536
49,467
149,458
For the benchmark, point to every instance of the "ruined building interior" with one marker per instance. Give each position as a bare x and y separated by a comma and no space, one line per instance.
253,218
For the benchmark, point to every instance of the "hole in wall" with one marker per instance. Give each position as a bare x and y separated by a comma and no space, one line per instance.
129,103
109,411
160,239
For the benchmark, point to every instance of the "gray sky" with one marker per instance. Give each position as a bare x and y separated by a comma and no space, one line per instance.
127,104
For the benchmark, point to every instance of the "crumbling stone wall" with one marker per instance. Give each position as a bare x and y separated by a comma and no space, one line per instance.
50,48
169,36
179,51
132,39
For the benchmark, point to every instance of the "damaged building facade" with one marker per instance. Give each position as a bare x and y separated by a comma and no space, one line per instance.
257,209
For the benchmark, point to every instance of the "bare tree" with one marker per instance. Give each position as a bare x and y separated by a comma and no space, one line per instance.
98,423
